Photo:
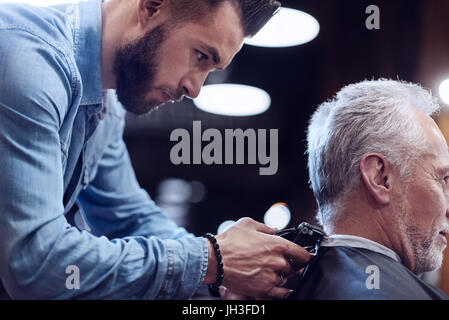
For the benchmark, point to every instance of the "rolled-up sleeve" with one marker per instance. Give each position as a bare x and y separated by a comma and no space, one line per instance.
116,206
37,245
114,203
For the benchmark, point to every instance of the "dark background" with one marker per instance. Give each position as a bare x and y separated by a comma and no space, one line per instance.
412,45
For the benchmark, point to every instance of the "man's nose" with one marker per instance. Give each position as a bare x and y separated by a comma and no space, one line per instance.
191,85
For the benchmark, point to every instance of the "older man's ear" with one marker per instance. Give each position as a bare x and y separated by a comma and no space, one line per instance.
376,176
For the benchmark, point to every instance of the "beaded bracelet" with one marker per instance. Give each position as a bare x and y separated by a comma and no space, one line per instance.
220,271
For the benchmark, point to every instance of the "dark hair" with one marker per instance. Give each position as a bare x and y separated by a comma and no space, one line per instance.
254,14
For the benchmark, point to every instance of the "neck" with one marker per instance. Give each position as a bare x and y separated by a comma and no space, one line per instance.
359,223
375,224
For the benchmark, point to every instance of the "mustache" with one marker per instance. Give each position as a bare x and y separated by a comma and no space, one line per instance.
175,94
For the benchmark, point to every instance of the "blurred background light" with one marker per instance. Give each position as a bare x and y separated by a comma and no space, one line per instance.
198,191
174,190
444,91
233,100
289,27
225,226
173,197
278,216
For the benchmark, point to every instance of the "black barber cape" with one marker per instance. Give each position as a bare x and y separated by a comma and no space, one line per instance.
347,273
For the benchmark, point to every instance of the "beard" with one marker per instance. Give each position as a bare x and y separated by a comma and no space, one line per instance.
135,67
427,253
424,244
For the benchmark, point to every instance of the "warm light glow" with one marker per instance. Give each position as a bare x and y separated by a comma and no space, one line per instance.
233,100
444,91
287,28
278,216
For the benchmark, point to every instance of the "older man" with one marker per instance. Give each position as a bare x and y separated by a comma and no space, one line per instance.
379,169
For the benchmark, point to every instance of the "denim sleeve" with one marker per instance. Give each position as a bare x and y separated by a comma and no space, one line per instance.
38,248
116,206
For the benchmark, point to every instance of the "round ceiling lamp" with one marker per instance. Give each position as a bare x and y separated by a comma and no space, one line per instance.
288,27
233,100
444,91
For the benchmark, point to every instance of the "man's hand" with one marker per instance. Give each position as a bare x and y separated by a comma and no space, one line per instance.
256,263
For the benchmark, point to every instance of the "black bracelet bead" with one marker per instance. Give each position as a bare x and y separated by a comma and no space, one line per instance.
213,288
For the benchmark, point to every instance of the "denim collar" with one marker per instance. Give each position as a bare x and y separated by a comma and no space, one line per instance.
87,26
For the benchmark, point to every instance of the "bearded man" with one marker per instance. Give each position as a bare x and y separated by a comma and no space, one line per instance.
379,170
61,143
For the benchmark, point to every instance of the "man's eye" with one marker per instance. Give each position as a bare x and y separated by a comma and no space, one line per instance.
201,56
445,180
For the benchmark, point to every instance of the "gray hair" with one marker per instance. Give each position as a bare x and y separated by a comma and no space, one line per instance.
370,116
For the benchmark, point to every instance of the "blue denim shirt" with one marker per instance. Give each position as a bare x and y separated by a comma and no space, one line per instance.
61,143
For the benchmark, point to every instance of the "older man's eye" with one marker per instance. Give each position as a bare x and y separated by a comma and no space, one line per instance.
445,180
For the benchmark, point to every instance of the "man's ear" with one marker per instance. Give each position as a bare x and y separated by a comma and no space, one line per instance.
376,176
148,9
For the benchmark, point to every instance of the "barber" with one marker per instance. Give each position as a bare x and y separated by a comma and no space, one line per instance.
67,75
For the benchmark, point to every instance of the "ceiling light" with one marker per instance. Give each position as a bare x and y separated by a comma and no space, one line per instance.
225,226
278,216
233,100
444,91
289,27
